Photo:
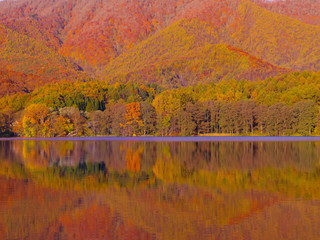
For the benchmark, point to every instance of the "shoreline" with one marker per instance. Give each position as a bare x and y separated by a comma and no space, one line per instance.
178,139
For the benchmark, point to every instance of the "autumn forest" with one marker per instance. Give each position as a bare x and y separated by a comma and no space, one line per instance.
159,68
159,119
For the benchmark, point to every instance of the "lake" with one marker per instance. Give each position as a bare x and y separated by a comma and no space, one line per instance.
160,188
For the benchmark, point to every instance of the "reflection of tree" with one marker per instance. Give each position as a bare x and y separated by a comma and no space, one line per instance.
193,190
169,202
36,154
168,170
192,156
133,158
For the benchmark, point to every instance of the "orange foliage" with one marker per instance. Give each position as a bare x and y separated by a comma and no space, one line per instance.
133,158
185,53
13,82
307,11
89,223
105,38
97,221
3,234
133,114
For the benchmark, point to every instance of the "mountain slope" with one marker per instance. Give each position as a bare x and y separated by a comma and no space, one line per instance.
13,82
307,11
26,55
97,32
275,38
94,32
184,53
42,29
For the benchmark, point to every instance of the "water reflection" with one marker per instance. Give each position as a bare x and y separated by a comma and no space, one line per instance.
159,190
29,211
138,156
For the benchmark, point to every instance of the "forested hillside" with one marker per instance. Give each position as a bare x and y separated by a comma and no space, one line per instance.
13,82
93,33
285,105
177,67
276,38
187,52
28,56
307,11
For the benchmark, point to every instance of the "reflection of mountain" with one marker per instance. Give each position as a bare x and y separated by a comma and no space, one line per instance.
96,221
28,211
150,190
286,220
171,212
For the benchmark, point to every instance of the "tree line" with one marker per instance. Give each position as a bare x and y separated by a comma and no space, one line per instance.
135,119
279,106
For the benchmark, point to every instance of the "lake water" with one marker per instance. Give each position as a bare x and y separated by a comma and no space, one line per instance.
160,188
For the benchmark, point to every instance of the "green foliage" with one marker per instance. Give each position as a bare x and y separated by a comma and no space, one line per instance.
5,125
284,105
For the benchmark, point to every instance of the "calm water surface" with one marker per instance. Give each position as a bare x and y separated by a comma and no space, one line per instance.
156,188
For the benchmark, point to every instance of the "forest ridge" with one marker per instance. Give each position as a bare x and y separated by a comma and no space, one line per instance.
233,51
187,40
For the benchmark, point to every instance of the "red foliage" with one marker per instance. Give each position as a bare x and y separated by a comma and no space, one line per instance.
12,82
307,11
96,222
93,33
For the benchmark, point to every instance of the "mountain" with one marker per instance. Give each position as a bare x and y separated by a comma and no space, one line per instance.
13,82
29,55
185,53
165,41
307,11
25,56
94,32
275,38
